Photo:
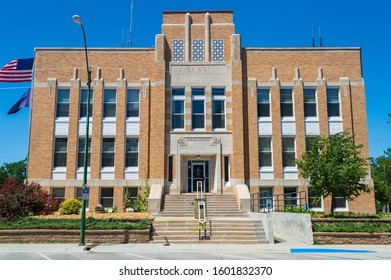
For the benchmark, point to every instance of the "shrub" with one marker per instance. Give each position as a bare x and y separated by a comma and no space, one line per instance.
20,200
70,206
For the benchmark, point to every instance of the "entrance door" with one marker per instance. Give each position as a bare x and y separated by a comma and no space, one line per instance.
198,171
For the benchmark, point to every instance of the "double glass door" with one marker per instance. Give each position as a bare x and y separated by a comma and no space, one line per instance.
197,171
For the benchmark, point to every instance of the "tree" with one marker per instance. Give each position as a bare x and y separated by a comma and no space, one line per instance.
380,171
15,170
334,167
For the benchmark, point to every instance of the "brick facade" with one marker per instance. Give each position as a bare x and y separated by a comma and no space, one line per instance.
239,70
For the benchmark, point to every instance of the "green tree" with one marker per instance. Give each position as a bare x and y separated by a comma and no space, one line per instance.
333,167
381,172
15,170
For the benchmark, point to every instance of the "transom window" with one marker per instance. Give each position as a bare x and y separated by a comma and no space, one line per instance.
309,102
263,97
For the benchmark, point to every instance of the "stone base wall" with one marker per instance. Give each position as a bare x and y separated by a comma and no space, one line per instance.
73,236
352,238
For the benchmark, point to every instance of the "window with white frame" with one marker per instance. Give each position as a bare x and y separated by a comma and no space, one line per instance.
265,151
218,108
60,152
80,153
107,197
333,102
309,102
263,99
132,103
288,152
108,152
109,103
340,203
178,108
198,108
131,152
265,199
178,50
217,50
62,108
286,102
83,103
198,50
59,193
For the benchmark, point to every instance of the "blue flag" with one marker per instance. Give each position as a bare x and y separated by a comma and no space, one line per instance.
24,101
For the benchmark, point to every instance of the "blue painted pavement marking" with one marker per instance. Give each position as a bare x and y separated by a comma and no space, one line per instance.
327,250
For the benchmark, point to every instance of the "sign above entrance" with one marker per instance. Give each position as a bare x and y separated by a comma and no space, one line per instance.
200,75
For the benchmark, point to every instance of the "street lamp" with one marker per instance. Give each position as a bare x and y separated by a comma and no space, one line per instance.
77,20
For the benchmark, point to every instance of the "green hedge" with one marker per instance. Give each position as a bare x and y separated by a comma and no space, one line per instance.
352,227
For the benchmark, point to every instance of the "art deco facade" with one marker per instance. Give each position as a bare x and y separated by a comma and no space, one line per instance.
198,105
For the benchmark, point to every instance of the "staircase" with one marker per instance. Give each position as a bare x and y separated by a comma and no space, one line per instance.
226,224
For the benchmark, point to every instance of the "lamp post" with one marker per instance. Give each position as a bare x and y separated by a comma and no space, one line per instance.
77,20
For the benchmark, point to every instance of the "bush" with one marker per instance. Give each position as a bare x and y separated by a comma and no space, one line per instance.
20,200
70,206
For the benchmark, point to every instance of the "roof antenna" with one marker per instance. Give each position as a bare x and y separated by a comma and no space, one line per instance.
313,37
131,24
320,38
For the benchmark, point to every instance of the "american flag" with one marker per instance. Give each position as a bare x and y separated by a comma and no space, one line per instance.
18,70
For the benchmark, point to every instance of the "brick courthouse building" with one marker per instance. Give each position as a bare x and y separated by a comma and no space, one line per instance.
198,105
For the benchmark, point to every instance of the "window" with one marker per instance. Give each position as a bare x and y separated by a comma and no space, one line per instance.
308,143
170,169
108,148
286,102
309,102
314,202
288,152
131,152
339,202
107,197
83,103
59,193
290,197
62,109
263,96
333,102
80,154
217,50
60,152
226,169
198,50
79,195
218,108
178,108
109,103
265,199
265,151
198,108
132,103
130,194
178,50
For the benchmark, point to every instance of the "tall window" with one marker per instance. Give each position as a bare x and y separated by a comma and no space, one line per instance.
108,148
109,103
83,103
333,102
198,50
107,197
226,169
265,151
178,108
62,109
60,152
178,50
80,154
309,102
170,169
132,102
218,108
286,102
198,108
131,152
288,151
263,96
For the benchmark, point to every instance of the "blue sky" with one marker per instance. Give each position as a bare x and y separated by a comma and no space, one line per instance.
42,23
